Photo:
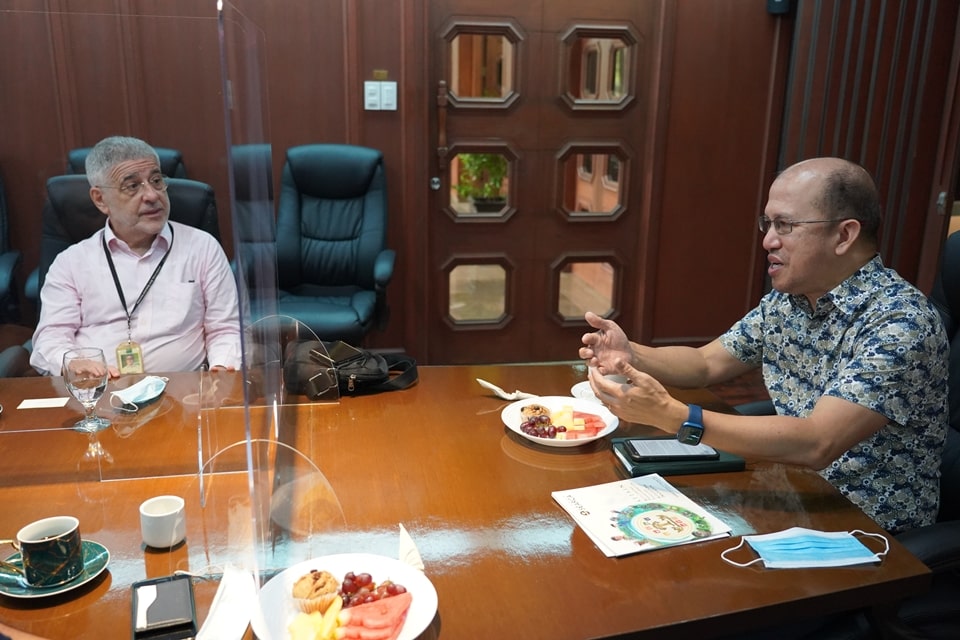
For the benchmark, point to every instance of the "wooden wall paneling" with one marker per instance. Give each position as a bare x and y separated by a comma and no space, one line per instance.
247,78
728,63
377,50
408,295
28,99
92,69
307,73
945,178
868,80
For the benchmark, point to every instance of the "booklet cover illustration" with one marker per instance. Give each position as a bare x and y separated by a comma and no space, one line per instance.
638,514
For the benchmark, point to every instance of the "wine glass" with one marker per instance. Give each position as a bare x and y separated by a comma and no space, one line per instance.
85,372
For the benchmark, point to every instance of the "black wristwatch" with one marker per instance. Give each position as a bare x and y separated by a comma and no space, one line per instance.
692,430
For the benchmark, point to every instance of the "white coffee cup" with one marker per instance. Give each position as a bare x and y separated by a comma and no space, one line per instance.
162,521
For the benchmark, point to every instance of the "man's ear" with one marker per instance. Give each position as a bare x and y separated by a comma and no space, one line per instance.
96,195
847,233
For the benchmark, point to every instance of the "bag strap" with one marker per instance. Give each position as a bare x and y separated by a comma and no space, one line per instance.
407,368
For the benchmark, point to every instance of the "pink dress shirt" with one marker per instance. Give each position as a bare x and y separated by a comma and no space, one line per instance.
189,315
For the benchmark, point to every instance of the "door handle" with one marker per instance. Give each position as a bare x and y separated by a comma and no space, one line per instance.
442,148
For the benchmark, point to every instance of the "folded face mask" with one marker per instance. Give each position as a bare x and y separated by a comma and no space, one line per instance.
137,396
798,547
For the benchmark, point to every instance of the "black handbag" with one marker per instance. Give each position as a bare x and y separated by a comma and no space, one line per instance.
308,370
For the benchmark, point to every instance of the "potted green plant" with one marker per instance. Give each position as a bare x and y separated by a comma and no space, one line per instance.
481,180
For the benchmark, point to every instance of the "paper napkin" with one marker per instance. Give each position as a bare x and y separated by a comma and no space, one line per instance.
231,608
408,550
43,403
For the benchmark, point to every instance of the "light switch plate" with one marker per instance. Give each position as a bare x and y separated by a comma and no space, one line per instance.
388,96
371,95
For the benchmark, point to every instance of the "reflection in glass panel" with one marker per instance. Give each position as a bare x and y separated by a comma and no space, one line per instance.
591,66
585,286
481,66
593,58
612,175
479,183
616,72
477,292
586,164
585,191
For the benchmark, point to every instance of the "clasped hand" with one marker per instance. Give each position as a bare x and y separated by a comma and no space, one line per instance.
641,399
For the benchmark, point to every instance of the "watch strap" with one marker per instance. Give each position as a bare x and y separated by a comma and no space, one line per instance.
695,417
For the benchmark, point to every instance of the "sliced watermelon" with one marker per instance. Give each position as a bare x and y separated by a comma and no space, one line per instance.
380,620
590,419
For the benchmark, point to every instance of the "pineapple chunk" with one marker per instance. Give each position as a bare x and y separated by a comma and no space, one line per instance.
563,417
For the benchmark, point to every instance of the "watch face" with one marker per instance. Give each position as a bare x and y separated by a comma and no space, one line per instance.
690,434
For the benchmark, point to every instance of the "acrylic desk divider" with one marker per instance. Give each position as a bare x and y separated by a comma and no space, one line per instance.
268,438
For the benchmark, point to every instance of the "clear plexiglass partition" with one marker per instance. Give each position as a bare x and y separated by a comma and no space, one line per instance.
246,437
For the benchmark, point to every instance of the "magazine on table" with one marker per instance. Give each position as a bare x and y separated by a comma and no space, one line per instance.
639,514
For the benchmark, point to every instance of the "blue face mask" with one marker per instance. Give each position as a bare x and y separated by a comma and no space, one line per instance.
798,547
137,396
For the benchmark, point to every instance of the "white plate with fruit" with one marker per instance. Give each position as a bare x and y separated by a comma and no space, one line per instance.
559,421
279,608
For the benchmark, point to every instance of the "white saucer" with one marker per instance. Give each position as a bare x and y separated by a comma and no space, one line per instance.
95,560
583,391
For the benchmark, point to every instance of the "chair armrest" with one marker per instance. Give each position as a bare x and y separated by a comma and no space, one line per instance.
383,267
31,289
937,545
758,408
15,362
8,263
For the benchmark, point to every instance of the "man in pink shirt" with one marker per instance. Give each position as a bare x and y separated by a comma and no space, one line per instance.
157,296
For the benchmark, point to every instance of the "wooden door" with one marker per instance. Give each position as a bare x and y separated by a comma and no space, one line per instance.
549,114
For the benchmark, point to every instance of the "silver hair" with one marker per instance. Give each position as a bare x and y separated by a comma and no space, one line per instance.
110,151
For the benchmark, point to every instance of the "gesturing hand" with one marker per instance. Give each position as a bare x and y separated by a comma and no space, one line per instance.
640,400
605,347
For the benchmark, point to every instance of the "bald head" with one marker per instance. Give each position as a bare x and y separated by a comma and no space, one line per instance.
841,190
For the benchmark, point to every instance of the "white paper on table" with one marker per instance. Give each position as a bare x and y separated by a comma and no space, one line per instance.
408,550
43,403
231,608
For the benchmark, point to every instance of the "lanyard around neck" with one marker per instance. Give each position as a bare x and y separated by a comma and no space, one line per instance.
146,287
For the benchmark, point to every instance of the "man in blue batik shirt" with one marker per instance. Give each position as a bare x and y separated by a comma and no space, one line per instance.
854,357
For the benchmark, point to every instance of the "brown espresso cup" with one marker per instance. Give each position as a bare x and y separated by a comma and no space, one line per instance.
51,551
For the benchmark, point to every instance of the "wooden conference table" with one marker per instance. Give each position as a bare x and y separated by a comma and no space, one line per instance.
506,561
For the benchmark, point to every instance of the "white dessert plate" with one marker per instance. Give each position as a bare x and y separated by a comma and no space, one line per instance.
278,607
512,418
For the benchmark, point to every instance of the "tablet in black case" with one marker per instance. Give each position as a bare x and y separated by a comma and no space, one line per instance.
723,462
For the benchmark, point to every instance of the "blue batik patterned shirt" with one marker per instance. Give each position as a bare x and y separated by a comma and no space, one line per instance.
874,340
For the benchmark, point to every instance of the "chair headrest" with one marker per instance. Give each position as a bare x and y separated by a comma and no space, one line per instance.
171,161
68,198
252,172
335,171
191,202
946,289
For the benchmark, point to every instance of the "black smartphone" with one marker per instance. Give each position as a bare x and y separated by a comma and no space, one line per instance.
663,449
164,609
338,353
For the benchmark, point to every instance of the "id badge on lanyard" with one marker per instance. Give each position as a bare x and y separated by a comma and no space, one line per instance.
129,353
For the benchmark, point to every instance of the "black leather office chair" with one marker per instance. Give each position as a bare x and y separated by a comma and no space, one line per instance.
9,259
171,162
69,214
332,261
936,614
255,223
171,165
